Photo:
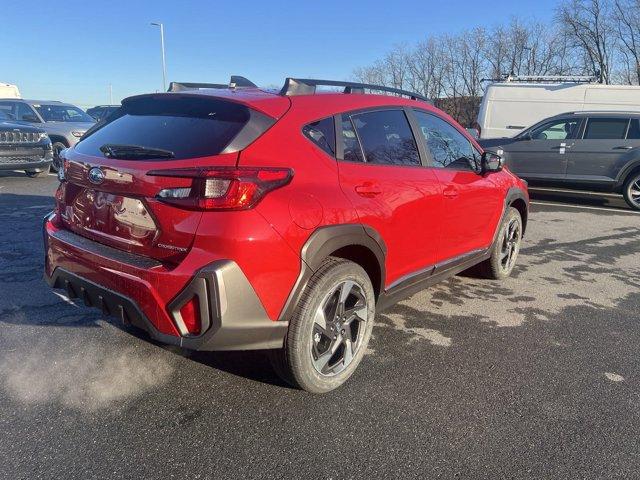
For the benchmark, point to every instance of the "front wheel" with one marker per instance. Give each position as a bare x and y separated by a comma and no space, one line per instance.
506,248
330,329
57,147
631,191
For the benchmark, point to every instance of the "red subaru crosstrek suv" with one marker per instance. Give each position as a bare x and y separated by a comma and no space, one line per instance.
234,218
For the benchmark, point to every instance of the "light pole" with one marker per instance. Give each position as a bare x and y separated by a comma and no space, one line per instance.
164,65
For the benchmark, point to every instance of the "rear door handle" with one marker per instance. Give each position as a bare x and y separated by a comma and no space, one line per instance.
368,190
450,191
623,147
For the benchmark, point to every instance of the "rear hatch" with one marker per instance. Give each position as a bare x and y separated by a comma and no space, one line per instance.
108,194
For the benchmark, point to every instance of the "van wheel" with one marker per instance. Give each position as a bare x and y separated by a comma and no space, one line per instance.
506,248
631,190
330,329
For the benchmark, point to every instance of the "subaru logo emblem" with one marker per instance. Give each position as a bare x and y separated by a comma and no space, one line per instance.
96,176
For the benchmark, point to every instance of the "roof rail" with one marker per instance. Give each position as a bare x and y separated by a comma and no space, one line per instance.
234,82
307,86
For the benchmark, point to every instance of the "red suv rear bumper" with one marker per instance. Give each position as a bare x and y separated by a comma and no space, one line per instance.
142,292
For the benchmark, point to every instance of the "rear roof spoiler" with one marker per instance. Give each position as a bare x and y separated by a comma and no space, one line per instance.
235,81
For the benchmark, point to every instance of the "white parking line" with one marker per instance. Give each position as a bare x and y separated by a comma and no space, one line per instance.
615,210
575,192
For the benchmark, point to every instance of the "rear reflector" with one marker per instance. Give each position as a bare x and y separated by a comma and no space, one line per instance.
190,314
222,188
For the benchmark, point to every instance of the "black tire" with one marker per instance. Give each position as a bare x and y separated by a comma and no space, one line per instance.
506,248
34,174
57,147
631,190
308,345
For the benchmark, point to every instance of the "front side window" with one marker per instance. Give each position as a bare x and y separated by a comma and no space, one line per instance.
323,134
557,130
606,129
386,138
448,147
634,130
62,113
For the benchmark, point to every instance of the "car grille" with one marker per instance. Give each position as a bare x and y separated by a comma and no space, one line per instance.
19,137
21,155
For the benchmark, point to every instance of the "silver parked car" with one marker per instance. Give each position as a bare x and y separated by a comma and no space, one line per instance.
586,150
63,122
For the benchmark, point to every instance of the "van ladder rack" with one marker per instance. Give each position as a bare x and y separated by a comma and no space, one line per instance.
542,79
307,86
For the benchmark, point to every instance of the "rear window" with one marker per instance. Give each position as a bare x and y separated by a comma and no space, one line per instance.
634,130
186,126
606,129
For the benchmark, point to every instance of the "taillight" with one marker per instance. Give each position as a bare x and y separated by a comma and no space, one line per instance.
190,315
222,188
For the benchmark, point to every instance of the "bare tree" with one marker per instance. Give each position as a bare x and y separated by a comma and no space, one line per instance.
627,20
588,24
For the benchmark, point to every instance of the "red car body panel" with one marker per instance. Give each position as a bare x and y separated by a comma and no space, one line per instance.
424,215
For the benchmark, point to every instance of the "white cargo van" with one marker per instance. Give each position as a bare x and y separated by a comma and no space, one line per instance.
9,91
509,107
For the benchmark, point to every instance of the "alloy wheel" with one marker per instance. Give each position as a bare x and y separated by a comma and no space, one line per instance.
634,191
338,328
510,245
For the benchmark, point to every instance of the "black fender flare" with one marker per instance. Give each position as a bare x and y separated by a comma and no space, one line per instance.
321,244
513,194
626,170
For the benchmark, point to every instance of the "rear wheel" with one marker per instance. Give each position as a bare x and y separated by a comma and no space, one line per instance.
506,248
631,190
330,329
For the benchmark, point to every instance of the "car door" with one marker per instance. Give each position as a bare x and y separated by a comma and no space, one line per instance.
473,203
541,153
601,152
381,171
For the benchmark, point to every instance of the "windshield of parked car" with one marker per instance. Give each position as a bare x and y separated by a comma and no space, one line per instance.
62,113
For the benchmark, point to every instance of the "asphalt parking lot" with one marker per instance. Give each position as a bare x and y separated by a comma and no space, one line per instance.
534,377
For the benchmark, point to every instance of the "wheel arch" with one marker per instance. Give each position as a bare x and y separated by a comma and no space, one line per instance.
628,170
357,243
517,199
59,138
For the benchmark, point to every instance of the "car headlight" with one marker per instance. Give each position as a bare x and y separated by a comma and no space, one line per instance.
43,136
61,166
77,134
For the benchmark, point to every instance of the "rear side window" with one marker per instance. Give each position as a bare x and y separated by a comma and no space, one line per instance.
323,134
606,129
352,151
634,130
188,127
386,137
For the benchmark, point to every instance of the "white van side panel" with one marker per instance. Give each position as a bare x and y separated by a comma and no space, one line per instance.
508,108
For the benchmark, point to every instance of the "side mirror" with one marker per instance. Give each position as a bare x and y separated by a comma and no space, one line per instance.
491,162
525,137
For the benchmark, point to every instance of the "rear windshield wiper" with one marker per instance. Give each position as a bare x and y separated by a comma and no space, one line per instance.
124,152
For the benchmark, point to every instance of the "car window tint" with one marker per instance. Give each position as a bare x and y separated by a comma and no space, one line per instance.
62,113
448,147
323,134
386,137
557,130
606,128
351,147
634,130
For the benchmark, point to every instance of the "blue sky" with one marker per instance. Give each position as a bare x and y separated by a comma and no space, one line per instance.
72,50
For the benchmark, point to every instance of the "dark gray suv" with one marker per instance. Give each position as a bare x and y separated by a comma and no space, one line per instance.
587,150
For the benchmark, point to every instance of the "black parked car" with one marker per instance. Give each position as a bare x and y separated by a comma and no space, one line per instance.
586,150
101,112
23,147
